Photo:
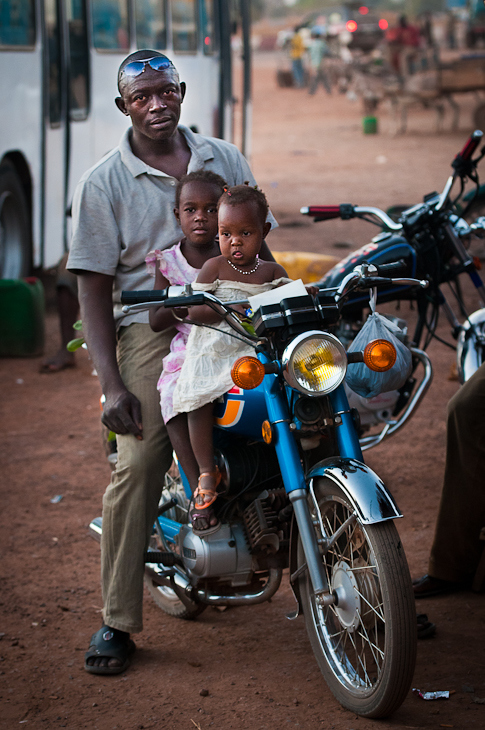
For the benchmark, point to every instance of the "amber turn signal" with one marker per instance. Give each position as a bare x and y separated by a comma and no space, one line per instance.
247,372
267,432
380,355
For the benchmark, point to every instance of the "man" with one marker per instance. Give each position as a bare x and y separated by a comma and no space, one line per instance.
457,548
122,208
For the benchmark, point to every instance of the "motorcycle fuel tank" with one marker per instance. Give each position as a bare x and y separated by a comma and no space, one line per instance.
242,411
383,249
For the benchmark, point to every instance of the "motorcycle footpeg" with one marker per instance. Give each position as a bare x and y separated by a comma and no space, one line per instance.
155,556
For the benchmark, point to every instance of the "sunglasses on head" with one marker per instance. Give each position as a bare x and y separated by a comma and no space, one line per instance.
157,63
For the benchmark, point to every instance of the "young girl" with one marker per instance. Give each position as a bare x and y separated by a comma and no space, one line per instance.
196,199
210,354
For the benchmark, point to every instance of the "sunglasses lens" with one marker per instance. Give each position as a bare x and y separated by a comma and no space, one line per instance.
135,68
158,63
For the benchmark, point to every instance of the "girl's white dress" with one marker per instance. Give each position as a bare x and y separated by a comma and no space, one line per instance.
211,353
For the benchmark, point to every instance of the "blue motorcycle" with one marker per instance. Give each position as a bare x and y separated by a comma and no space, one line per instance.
298,496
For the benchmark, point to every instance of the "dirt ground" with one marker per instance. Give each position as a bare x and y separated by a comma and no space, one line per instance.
257,666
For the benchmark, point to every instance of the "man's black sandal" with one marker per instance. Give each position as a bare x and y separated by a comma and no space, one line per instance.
112,644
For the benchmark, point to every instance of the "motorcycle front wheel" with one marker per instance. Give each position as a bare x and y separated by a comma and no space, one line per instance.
365,644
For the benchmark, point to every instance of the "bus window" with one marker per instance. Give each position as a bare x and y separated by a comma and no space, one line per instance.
17,23
53,50
207,26
110,25
184,25
79,60
151,28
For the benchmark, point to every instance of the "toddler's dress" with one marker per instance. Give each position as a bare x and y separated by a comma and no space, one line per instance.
177,270
211,353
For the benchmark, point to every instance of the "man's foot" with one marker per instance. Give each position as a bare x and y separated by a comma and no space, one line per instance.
202,515
110,652
62,360
428,586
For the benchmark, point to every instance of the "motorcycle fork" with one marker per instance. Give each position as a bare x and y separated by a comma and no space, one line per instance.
295,485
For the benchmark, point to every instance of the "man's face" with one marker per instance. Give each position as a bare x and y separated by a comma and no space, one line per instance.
153,100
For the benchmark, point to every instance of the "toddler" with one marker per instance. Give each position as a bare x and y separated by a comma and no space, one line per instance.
206,372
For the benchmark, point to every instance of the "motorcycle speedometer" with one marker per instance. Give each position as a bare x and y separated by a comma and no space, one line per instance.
314,363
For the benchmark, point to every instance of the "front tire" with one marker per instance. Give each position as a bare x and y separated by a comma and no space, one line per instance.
365,645
15,243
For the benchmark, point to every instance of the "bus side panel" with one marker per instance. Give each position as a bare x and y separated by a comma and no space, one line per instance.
201,103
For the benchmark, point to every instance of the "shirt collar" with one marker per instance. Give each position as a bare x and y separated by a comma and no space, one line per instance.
201,151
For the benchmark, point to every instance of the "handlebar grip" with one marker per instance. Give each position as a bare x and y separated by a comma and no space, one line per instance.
327,212
393,267
471,145
148,295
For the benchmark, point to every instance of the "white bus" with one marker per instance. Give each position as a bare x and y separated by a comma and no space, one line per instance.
58,69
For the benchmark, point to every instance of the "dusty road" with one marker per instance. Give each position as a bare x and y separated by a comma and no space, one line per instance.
257,666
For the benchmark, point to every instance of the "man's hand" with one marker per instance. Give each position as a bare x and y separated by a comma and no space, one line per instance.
122,413
122,410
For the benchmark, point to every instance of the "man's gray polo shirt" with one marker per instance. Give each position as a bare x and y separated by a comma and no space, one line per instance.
123,208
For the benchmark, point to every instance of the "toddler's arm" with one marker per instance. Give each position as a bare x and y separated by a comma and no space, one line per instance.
161,318
208,274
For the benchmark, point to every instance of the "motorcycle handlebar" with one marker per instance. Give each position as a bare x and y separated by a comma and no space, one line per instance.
346,212
383,269
471,145
138,297
327,212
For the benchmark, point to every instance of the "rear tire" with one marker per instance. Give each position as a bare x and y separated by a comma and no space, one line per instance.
15,241
365,645
164,596
168,601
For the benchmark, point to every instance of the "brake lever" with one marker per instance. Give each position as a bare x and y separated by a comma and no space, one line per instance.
371,281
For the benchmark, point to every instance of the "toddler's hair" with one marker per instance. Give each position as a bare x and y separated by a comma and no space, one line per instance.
206,176
245,194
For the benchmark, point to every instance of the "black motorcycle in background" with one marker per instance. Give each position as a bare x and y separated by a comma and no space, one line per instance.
430,241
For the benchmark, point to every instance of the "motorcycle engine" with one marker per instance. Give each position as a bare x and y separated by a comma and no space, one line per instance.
224,555
252,512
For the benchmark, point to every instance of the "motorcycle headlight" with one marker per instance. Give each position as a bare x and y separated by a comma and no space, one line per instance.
315,363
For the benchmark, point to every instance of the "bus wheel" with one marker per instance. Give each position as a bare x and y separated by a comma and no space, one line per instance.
15,248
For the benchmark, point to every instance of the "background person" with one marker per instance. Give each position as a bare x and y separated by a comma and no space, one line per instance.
68,311
123,208
456,548
297,52
317,51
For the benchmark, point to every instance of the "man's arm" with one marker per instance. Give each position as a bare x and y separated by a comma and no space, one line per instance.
122,410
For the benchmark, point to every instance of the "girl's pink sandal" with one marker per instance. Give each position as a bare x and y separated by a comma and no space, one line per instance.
198,510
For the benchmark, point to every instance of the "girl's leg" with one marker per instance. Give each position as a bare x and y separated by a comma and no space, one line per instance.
178,431
201,422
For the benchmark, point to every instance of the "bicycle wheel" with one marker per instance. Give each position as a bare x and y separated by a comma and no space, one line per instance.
365,645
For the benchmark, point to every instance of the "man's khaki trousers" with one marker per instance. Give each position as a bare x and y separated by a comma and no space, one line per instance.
456,548
131,500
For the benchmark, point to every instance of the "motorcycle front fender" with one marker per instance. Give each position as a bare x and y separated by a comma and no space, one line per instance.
365,490
469,348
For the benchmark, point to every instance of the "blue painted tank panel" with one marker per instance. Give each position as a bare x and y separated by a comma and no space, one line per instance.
242,412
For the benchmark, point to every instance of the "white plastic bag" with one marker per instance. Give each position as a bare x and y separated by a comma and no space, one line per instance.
366,382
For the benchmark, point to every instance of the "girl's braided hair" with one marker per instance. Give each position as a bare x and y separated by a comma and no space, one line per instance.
206,176
245,194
